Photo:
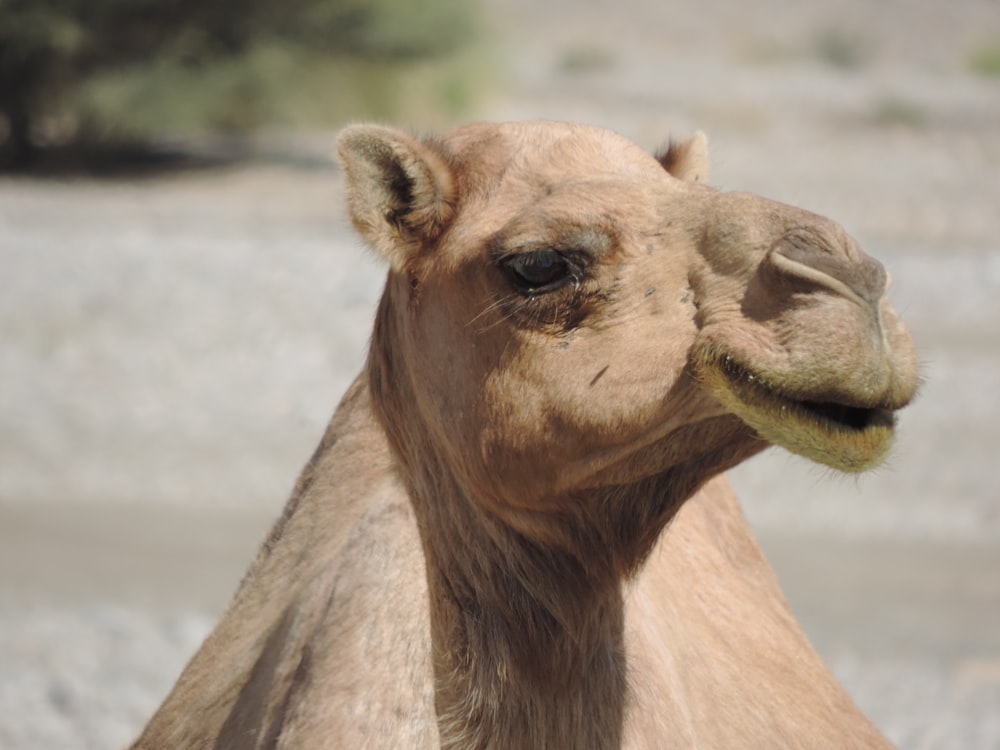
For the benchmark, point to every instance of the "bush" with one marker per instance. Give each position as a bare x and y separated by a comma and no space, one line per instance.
72,66
985,58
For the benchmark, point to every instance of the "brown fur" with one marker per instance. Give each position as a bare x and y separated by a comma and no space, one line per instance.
515,533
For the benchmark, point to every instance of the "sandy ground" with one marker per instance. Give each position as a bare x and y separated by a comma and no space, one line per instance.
171,348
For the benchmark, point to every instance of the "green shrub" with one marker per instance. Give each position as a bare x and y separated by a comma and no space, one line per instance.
842,49
585,58
897,112
133,66
985,58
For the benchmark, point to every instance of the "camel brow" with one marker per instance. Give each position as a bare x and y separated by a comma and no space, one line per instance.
534,231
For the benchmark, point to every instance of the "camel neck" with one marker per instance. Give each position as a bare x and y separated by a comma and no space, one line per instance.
526,603
528,641
526,607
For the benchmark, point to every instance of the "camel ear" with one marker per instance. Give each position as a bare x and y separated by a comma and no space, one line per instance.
399,190
687,160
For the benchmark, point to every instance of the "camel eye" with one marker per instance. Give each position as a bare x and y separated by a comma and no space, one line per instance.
539,271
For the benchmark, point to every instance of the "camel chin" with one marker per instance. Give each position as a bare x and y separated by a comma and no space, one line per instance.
847,437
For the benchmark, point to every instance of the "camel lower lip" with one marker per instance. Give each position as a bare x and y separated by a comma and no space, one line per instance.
848,437
829,414
847,417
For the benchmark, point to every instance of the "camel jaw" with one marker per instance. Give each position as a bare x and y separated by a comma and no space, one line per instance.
848,437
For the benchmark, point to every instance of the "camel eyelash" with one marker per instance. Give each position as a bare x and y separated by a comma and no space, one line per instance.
542,271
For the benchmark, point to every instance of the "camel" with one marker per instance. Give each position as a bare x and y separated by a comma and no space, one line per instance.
516,531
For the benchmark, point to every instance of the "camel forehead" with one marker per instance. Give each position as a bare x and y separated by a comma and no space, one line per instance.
542,150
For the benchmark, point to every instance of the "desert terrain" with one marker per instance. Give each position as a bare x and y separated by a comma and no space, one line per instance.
172,346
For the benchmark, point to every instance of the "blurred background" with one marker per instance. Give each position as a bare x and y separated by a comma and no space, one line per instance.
182,303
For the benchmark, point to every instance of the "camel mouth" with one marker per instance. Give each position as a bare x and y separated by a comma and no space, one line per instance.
846,436
841,416
832,414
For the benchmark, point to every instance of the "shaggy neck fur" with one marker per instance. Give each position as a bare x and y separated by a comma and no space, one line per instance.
518,662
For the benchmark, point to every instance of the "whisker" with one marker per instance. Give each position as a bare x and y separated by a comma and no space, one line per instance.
494,306
488,309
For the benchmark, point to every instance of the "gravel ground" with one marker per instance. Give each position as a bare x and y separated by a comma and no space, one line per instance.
171,348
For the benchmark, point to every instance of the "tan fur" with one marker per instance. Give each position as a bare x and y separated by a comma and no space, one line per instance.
515,533
687,160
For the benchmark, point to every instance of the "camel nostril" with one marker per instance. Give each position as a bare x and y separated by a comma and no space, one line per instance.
847,271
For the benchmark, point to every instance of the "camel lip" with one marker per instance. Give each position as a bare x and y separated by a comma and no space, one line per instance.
850,437
833,415
847,417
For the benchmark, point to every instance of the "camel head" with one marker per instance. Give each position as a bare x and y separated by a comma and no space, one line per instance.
565,311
